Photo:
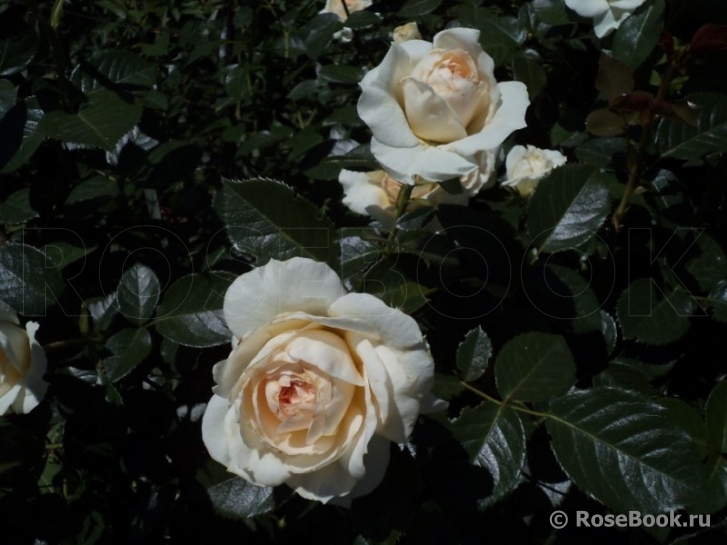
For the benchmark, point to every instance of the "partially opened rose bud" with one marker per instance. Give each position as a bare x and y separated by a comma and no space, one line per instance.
527,165
22,364
404,33
375,194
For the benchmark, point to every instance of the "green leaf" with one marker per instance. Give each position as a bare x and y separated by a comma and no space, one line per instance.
563,294
717,301
385,281
265,218
238,499
61,254
600,152
567,208
32,136
681,140
707,263
603,122
340,73
551,12
716,415
319,32
358,253
362,19
191,311
501,37
116,70
100,124
26,283
16,208
650,316
473,354
8,96
534,367
128,348
637,36
494,437
98,190
138,293
416,8
622,376
622,448
530,73
17,51
614,77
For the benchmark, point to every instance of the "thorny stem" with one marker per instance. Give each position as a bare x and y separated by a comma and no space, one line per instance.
635,163
70,343
58,55
402,200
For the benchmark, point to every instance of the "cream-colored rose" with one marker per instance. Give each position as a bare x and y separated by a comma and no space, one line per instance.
22,364
319,383
607,15
436,111
336,7
404,33
526,165
375,194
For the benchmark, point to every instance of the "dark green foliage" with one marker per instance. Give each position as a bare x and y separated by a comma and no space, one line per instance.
151,152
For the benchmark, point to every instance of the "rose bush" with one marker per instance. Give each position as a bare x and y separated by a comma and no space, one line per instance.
436,111
317,385
525,167
375,193
22,364
607,15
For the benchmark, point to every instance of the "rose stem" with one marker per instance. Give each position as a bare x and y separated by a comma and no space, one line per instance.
402,199
636,162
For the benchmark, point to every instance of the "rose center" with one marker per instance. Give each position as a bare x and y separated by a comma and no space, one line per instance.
296,396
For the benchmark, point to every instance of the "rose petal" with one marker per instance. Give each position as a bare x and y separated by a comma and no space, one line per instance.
213,429
429,162
459,38
34,387
509,117
429,115
608,21
625,4
588,8
380,105
7,314
258,296
362,192
324,484
327,352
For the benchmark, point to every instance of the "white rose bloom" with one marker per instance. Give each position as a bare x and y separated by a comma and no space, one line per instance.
319,384
607,15
336,6
22,364
526,165
436,111
374,194
404,33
